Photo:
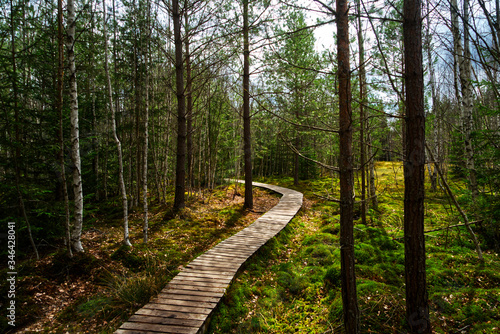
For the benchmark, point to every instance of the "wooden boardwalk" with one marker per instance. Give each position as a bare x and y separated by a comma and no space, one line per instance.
185,305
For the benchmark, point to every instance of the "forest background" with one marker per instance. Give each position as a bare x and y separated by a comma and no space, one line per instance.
90,124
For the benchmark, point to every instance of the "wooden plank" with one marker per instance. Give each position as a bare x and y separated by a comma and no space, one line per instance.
225,280
179,296
220,256
217,264
165,321
237,252
171,314
196,288
206,270
216,294
203,274
177,308
240,241
216,258
211,268
203,281
129,331
159,328
207,284
183,303
220,253
228,249
235,243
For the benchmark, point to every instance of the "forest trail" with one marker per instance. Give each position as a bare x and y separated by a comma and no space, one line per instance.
185,305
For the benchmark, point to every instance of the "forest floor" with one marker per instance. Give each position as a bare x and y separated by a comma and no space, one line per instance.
96,291
291,285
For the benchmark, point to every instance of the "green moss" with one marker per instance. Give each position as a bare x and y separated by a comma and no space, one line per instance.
332,277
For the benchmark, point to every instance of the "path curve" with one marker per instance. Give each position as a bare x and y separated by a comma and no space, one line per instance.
186,304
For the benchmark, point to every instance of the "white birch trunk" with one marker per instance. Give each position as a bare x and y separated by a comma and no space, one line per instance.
121,181
465,99
468,103
75,137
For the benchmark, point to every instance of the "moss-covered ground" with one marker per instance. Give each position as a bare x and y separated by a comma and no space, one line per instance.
293,284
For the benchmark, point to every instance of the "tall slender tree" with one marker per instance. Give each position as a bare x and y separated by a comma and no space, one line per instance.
76,232
180,173
362,118
121,181
348,277
59,104
247,146
468,102
189,105
417,309
146,128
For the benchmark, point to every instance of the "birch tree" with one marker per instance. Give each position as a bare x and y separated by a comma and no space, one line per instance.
121,181
465,97
246,110
75,136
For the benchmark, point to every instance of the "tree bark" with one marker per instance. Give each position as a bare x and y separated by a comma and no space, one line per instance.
59,103
146,134
121,181
246,110
189,109
362,120
180,173
417,309
465,98
468,103
349,294
432,82
75,136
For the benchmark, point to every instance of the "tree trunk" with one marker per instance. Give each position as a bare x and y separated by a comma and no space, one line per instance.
362,120
417,309
60,88
189,109
468,103
432,82
349,295
465,99
76,233
121,181
246,110
146,134
180,173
